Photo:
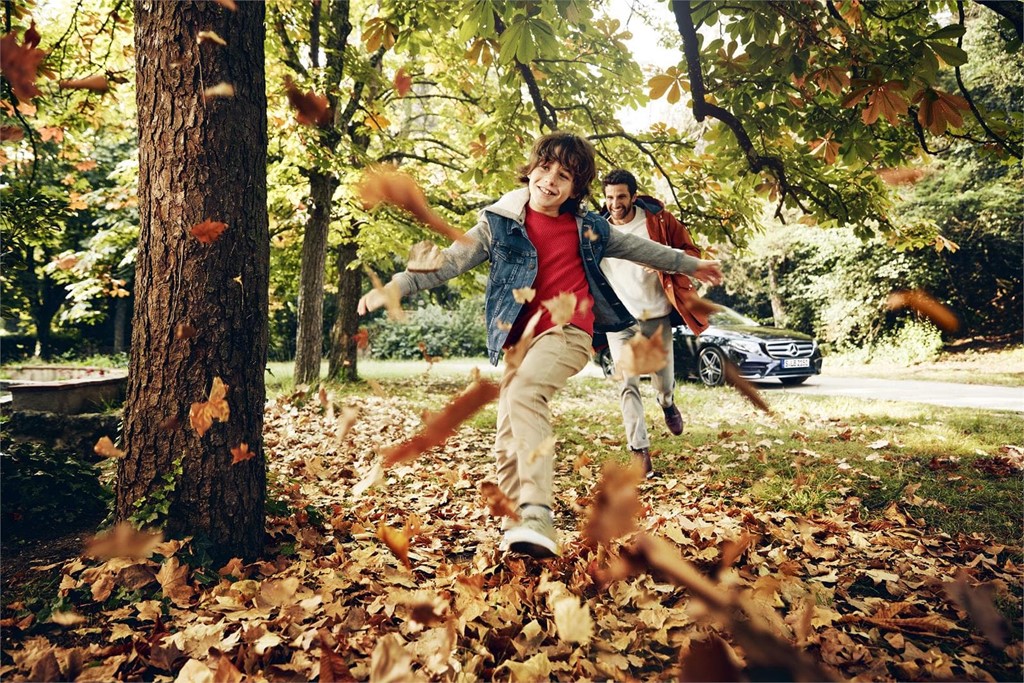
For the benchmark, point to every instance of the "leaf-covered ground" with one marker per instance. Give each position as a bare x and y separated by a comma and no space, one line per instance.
712,584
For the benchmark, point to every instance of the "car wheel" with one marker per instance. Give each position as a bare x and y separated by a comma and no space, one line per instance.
604,359
711,367
793,381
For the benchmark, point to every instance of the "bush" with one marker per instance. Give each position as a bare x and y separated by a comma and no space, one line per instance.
449,332
16,347
915,342
43,494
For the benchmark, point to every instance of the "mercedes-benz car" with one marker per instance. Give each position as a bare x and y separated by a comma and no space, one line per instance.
758,351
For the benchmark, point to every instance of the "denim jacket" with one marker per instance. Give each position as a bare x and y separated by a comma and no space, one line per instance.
500,237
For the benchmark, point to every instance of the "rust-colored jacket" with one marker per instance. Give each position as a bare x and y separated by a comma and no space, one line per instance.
664,228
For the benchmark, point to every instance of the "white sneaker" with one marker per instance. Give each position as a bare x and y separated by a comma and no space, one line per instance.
535,534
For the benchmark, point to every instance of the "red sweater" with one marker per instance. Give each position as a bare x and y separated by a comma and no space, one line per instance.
559,269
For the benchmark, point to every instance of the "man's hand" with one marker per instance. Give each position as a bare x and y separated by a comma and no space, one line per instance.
709,272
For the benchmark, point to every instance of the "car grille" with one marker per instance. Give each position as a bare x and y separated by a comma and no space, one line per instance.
789,348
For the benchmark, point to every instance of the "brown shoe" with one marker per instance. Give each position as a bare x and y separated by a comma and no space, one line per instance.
642,456
673,420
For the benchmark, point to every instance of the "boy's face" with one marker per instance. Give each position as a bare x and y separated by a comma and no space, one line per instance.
620,203
550,186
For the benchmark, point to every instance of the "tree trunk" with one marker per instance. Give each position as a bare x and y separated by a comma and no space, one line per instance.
343,352
309,338
778,309
199,159
122,307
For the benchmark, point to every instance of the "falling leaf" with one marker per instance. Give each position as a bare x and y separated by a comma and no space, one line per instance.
424,257
442,425
310,109
698,305
544,449
921,302
208,231
380,185
390,663
202,415
67,618
615,509
524,295
66,261
497,502
422,346
370,479
241,453
403,83
572,619
362,338
561,307
20,65
744,386
169,424
591,235
515,354
12,133
184,331
95,83
106,448
210,36
978,602
397,540
123,540
221,89
643,355
228,4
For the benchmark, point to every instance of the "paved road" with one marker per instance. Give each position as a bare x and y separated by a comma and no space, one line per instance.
938,393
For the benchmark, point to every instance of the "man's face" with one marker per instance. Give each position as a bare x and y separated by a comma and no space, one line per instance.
620,203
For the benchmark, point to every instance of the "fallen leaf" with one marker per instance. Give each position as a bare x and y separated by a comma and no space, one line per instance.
561,307
211,36
106,448
524,295
397,540
442,425
208,231
497,502
572,619
173,579
380,185
921,302
241,453
202,415
424,257
402,83
219,90
310,109
20,65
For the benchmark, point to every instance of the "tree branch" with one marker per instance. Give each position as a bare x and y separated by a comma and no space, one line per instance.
395,156
291,58
545,113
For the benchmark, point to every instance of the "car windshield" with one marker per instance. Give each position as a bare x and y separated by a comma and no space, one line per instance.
727,316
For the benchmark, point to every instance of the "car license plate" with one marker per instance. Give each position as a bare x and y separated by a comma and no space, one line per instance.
796,363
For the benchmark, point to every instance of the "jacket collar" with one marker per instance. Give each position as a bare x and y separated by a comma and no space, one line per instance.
513,205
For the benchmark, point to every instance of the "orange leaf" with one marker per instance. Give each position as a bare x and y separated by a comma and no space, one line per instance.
20,65
184,331
642,355
208,231
123,540
403,83
940,110
886,101
362,338
381,185
107,449
397,540
228,4
497,502
442,425
616,506
918,300
12,133
515,354
95,83
732,376
241,453
310,109
698,305
202,415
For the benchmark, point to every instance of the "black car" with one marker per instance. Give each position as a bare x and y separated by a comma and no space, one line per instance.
757,351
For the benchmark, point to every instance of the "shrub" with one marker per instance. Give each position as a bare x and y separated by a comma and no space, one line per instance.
915,342
450,332
42,494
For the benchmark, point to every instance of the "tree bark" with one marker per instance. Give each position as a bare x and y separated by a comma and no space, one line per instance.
343,353
199,159
309,338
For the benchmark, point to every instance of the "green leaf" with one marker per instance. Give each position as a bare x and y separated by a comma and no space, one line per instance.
950,54
946,32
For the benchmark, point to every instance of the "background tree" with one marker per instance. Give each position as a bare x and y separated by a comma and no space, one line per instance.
201,313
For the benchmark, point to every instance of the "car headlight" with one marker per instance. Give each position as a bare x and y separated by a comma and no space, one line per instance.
745,345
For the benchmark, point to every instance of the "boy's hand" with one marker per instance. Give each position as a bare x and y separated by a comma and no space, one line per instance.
709,272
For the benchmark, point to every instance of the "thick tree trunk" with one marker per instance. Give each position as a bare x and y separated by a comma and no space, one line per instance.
199,159
309,338
343,352
778,308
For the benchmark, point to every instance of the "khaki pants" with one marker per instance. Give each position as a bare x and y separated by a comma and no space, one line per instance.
524,419
663,381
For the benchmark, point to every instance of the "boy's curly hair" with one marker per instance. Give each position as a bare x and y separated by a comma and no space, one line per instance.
572,151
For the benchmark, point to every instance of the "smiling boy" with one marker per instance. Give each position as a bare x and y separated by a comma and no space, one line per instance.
540,237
